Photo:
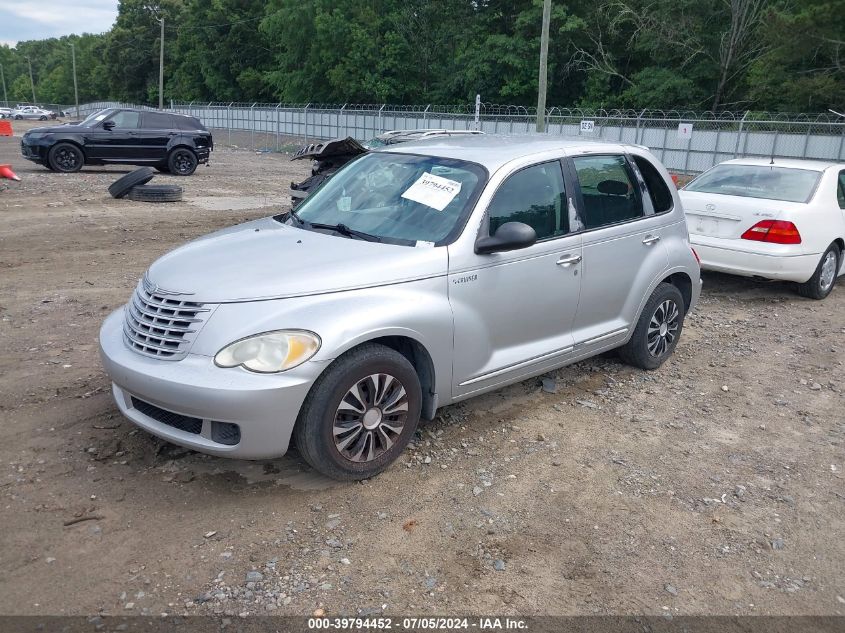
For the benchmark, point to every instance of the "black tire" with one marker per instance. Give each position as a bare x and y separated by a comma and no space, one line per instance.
314,431
653,342
820,284
18,117
120,187
182,162
66,158
155,193
42,118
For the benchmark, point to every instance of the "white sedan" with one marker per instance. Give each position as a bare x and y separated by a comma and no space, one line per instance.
30,112
773,219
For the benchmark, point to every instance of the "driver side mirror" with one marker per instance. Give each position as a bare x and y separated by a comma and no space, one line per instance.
508,237
108,125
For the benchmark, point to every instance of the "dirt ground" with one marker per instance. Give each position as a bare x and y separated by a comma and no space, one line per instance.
711,486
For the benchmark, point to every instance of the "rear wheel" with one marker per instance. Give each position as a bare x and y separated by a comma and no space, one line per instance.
658,329
66,158
824,279
360,414
182,162
42,118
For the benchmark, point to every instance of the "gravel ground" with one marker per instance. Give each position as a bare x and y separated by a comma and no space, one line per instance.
711,486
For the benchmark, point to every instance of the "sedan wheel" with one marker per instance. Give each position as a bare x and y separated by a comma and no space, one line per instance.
824,279
663,328
370,417
657,330
360,413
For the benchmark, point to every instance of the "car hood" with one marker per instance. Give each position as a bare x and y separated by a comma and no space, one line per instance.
62,127
265,259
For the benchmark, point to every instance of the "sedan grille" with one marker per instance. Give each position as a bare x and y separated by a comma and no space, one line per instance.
159,324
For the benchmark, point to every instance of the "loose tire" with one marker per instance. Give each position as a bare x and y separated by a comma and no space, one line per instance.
182,162
162,169
155,193
66,158
120,187
824,279
360,414
658,329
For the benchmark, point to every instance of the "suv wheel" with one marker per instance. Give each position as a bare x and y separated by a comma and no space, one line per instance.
65,157
658,329
182,162
824,279
360,414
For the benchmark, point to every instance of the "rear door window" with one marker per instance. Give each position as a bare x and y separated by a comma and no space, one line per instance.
534,196
657,192
840,190
607,191
156,121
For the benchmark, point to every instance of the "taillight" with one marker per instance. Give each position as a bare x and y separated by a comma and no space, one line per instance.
773,231
697,258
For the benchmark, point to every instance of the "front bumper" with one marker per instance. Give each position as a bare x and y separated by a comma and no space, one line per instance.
31,152
264,406
738,257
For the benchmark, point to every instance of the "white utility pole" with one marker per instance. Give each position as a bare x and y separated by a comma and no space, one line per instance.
161,69
75,86
544,56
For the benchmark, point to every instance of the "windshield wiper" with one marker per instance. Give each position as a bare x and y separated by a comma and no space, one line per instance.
345,230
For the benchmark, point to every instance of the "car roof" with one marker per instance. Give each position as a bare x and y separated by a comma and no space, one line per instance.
791,163
492,150
188,116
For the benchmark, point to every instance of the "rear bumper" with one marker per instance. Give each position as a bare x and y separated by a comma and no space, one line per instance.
736,258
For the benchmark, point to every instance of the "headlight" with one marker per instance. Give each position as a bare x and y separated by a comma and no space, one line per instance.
270,352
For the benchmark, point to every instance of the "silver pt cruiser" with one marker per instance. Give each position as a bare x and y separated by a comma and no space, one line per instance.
416,277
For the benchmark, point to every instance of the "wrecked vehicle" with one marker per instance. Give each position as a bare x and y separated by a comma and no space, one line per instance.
329,156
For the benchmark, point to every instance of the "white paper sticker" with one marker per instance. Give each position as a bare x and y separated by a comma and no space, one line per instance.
433,191
685,130
588,126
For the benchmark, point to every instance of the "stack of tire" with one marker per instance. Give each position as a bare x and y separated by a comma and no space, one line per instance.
134,187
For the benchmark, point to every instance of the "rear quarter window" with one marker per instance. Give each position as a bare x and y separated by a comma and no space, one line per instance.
658,191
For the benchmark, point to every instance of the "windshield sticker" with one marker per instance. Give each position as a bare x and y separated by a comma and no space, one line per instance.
424,244
100,117
433,191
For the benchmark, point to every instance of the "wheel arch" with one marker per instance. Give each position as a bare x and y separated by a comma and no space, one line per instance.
415,352
69,141
682,282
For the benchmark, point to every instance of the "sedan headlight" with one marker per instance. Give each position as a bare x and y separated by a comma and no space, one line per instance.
270,352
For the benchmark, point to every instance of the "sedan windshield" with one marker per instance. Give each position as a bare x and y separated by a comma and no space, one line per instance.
758,181
399,198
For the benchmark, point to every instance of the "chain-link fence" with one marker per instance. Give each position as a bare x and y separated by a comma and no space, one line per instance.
686,142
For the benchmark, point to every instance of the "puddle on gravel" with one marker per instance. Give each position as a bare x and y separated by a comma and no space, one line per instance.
289,471
236,203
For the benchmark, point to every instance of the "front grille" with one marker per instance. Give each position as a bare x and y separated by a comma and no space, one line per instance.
176,420
159,324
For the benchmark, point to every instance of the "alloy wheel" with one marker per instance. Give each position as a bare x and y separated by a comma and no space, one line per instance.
67,159
828,272
183,161
370,417
663,328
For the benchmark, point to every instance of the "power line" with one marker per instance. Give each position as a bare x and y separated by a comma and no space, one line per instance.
213,26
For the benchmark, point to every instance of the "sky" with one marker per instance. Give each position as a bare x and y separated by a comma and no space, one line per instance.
38,19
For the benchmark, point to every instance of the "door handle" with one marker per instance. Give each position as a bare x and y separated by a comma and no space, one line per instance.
566,260
651,239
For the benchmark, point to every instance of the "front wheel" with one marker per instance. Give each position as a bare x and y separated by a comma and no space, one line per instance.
360,414
824,279
658,329
182,162
66,158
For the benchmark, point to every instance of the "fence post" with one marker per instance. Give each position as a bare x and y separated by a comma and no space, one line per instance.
380,125
252,127
338,120
637,132
278,125
229,120
807,140
739,134
305,112
425,115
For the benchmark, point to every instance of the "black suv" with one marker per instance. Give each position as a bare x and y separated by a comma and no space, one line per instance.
173,143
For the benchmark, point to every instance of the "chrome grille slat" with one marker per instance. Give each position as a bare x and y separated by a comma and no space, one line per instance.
159,324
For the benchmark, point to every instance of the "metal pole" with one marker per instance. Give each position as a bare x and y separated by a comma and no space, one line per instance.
31,80
75,86
161,69
739,134
544,56
3,77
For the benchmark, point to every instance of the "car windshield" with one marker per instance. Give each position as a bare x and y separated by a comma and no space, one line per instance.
399,198
758,181
92,119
